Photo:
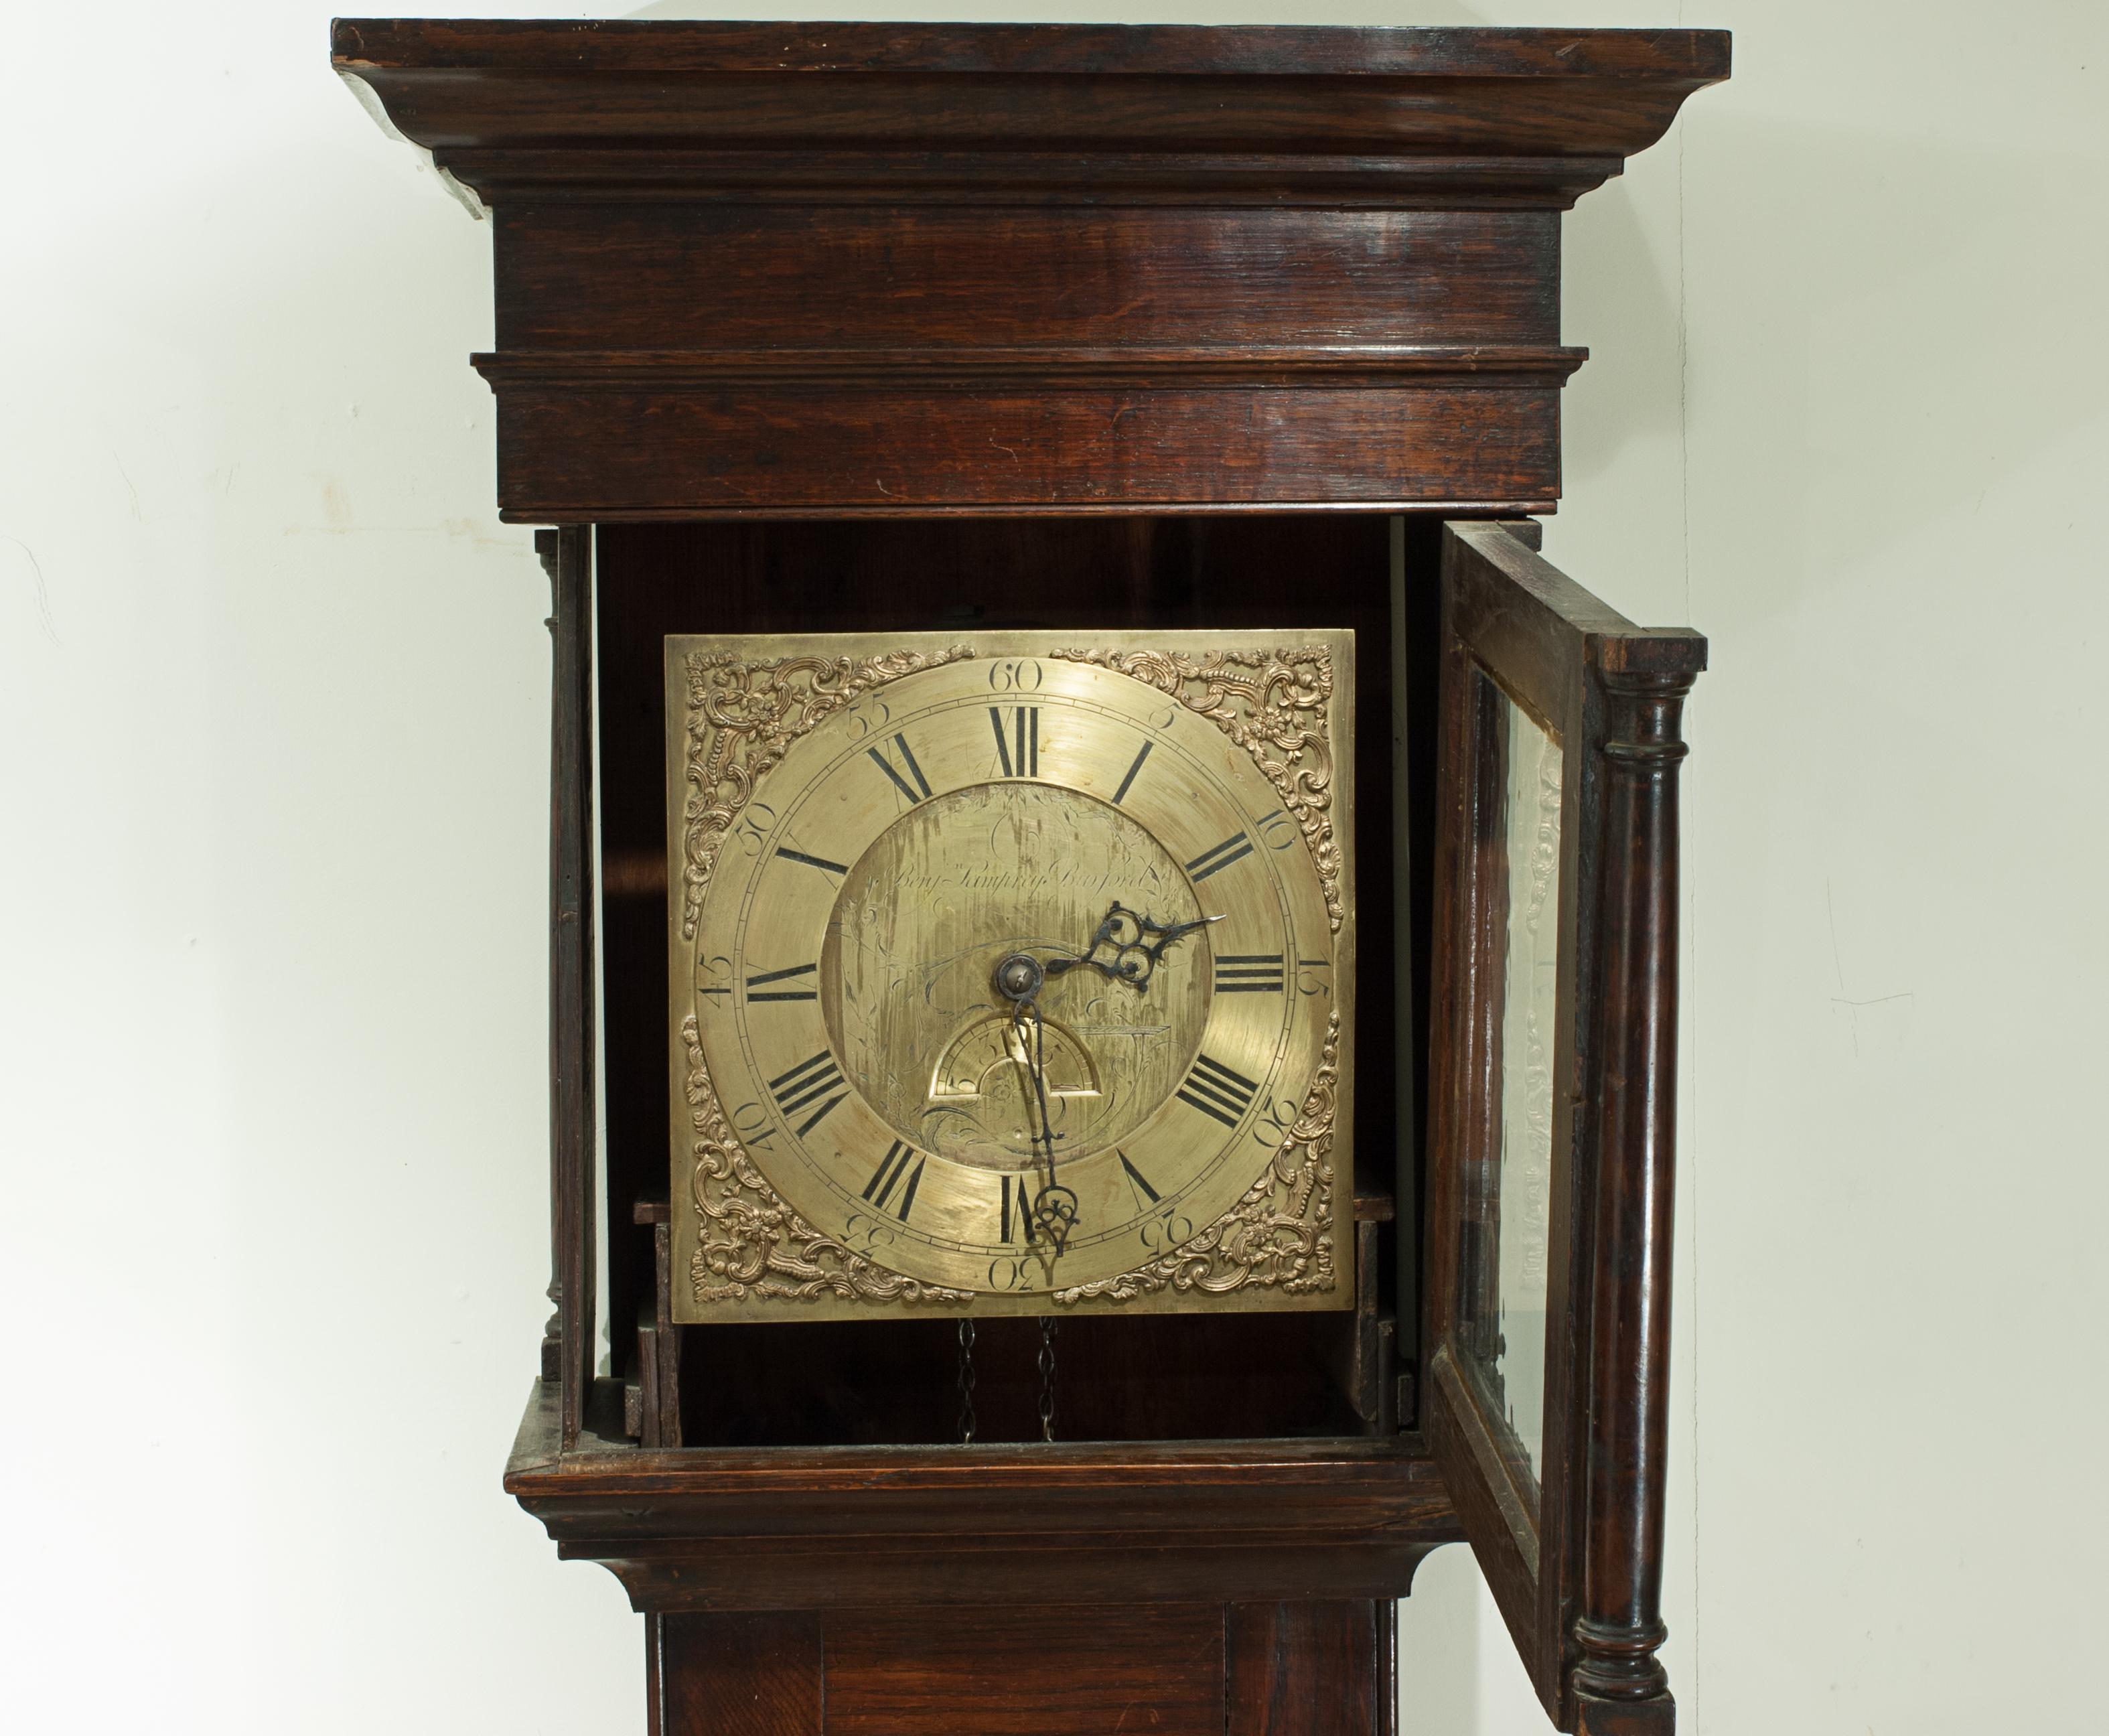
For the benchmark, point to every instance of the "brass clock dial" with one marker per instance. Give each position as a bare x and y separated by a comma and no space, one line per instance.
1009,979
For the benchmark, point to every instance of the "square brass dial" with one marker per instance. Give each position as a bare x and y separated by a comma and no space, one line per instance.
1010,974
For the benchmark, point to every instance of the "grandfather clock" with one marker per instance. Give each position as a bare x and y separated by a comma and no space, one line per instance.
1119,918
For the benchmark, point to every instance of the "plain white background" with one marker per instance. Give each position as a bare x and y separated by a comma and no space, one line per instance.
275,684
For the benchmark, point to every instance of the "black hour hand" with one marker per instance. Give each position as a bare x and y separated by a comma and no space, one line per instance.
1128,946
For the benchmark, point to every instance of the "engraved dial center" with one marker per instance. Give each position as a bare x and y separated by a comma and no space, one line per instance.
942,929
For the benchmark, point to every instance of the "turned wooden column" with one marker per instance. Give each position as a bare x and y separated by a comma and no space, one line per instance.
1619,1683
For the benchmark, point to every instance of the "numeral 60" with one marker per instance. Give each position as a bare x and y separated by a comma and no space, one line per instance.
1024,677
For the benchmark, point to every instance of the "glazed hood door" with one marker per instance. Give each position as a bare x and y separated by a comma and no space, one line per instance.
1552,1083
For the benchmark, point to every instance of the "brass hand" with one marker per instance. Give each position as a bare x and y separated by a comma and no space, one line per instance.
1018,979
1136,943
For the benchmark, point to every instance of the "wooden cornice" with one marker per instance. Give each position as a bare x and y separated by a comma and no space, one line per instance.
760,269
642,109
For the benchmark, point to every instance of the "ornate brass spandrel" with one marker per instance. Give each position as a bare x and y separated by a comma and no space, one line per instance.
1280,1236
750,1242
743,717
1275,704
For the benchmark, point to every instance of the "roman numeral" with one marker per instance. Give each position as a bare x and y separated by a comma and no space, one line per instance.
756,989
807,1083
1137,1183
1019,1215
811,862
1249,973
1218,1091
1019,755
918,791
888,1176
1127,781
1210,861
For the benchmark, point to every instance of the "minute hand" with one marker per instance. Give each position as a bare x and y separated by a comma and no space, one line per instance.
1128,946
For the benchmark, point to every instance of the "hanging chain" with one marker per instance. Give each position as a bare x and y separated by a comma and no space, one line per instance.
966,1383
1047,1379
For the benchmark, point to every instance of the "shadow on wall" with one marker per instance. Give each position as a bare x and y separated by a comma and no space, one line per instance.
1813,242
1457,1670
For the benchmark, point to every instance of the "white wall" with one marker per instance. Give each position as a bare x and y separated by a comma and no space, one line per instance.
274,689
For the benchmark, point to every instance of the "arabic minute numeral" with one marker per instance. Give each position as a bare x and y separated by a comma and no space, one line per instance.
1275,1124
751,1122
1016,677
864,717
1277,830
754,823
1166,1232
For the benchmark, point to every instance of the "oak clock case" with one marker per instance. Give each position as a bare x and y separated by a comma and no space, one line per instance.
1010,977
921,421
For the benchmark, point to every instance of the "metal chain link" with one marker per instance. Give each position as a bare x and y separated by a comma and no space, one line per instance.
966,1383
1047,1328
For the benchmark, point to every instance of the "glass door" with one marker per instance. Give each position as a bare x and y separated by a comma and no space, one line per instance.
1554,995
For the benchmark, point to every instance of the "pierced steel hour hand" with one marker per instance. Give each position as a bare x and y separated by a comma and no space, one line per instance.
1128,946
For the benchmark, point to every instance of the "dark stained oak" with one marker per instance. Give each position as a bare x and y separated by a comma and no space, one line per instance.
734,1675
1014,1670
1310,1668
1018,1668
1627,1376
1205,1374
746,269
463,84
574,1045
1573,1553
811,327
616,452
716,1529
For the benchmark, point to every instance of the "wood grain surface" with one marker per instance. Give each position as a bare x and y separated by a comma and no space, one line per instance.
1018,1669
746,269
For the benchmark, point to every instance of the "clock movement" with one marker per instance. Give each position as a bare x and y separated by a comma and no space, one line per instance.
1113,923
